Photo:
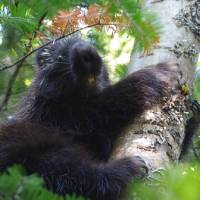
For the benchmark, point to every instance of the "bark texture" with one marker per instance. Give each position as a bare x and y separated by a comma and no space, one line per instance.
158,134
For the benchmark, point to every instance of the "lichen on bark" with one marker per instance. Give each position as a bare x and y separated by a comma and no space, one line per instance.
156,135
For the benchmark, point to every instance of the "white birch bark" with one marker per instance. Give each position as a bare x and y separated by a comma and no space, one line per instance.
157,135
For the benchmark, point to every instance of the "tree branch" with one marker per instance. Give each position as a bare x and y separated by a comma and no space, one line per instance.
10,86
18,67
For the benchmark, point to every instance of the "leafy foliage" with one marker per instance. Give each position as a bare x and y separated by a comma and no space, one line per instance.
127,14
121,71
196,94
14,184
197,89
178,183
124,16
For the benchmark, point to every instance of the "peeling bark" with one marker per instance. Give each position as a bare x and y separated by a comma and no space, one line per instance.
157,134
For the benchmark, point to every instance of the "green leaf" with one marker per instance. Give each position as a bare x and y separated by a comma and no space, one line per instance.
121,71
14,184
177,183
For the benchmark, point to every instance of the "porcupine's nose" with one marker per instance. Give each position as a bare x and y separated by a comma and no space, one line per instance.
86,63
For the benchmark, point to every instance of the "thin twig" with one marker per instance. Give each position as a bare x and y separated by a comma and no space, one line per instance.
59,38
18,67
10,86
157,1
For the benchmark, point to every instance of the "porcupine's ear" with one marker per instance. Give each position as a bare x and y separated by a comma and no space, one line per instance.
47,55
44,60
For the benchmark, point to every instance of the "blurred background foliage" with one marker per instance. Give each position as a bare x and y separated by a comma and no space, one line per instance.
25,25
180,182
15,184
196,94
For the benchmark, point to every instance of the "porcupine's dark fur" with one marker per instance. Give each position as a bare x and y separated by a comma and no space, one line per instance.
71,116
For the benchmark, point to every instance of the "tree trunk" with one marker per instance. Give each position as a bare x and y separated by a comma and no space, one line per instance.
158,134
